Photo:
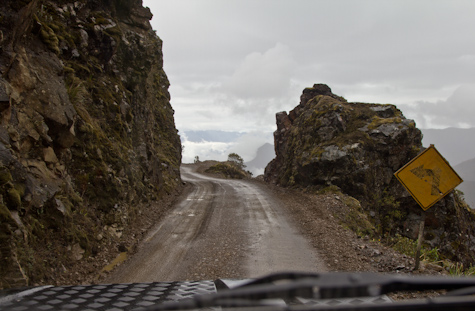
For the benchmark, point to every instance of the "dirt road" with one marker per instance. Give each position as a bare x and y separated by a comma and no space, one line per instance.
221,229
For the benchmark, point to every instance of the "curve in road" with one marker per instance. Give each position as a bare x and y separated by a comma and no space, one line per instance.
222,229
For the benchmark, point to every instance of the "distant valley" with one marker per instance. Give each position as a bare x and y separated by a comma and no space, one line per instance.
466,170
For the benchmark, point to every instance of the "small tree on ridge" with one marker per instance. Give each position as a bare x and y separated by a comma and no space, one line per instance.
236,160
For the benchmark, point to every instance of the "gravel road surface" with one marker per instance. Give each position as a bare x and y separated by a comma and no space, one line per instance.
221,229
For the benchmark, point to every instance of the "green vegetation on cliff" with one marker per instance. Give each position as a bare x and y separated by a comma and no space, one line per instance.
88,134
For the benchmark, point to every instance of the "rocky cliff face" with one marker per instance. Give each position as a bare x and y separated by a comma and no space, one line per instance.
326,142
86,129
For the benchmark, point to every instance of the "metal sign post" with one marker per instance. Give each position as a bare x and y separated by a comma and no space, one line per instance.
420,237
428,178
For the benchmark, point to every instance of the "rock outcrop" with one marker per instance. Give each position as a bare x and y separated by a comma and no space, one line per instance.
327,142
86,129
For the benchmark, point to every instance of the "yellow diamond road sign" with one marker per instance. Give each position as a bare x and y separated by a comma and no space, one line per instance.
428,177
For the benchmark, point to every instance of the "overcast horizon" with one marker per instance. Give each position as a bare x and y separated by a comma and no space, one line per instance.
233,64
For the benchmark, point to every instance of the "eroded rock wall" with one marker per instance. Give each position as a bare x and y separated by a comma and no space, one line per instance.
86,129
327,142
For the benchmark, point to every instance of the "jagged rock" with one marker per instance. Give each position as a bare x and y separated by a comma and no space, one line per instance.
4,98
85,122
326,141
49,156
84,38
333,142
58,204
114,230
77,253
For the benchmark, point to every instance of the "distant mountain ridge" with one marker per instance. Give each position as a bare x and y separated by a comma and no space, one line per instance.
455,144
211,135
264,155
458,147
466,170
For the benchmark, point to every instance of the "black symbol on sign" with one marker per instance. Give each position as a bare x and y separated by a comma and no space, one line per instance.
425,174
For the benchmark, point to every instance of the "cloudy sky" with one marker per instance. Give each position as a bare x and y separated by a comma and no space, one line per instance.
233,64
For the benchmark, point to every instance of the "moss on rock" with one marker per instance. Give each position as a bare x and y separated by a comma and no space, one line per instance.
104,89
5,177
14,199
49,38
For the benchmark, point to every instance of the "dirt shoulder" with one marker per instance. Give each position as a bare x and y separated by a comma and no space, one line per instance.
342,249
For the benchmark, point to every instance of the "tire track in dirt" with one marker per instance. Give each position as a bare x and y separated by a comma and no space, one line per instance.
221,229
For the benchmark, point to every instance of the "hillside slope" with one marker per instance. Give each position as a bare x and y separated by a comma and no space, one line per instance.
86,131
466,170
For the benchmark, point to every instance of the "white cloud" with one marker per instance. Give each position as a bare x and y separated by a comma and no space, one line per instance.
458,110
248,98
233,64
205,151
245,146
262,75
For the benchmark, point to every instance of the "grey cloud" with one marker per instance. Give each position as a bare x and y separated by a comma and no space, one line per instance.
262,75
456,111
244,60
